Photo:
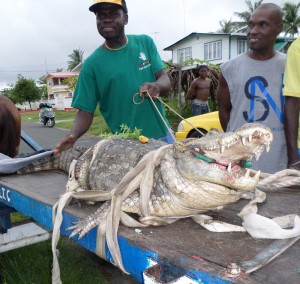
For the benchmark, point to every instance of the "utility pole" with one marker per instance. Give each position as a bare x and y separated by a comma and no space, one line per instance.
46,66
179,84
184,29
155,33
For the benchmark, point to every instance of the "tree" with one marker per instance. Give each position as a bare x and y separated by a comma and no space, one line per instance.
25,90
8,92
291,18
76,58
245,16
71,83
227,26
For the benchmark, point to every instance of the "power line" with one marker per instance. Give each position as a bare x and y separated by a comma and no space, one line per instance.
25,71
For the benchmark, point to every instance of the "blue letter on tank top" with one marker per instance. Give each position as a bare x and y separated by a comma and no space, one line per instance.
261,84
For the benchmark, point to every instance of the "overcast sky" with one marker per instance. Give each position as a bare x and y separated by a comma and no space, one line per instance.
38,35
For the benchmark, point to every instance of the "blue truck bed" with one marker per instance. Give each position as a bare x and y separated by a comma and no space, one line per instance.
180,249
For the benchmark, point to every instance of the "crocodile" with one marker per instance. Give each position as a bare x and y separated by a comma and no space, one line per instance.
189,177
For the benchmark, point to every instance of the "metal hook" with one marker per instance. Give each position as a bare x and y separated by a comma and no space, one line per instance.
134,101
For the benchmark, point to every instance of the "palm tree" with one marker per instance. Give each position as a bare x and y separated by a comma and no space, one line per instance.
245,16
76,58
227,27
291,18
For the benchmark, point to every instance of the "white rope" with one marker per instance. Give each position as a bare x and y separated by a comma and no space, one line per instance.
57,220
141,177
199,131
284,178
162,118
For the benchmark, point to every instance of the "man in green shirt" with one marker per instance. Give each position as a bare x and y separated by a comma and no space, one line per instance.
111,76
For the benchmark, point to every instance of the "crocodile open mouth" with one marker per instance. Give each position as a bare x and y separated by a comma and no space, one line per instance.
234,149
225,158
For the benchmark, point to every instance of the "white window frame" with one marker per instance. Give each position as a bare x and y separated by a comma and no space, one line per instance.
186,54
241,46
213,50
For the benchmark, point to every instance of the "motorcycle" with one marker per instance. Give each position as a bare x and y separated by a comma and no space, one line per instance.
46,114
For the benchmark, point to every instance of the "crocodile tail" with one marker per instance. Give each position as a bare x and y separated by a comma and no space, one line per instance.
61,162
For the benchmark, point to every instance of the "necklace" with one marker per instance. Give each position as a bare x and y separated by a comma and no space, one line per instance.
116,49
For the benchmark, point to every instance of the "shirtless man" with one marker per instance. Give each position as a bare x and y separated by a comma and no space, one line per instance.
199,92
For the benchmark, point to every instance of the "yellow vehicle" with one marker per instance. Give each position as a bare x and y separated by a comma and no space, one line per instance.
203,122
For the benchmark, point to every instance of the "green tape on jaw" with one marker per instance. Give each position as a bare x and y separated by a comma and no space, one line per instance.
246,164
205,159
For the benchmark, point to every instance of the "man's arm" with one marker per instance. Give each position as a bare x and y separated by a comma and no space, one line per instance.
211,90
291,124
81,125
224,104
160,86
192,91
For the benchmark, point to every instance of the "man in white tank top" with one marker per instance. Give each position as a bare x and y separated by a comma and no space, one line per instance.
250,86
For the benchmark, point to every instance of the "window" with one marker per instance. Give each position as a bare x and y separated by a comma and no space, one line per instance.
241,46
56,81
213,50
184,54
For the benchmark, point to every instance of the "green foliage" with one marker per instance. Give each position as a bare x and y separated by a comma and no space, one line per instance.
291,18
71,82
25,90
227,26
245,16
76,57
8,92
42,80
125,133
43,91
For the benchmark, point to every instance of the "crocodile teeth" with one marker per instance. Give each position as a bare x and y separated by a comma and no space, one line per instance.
229,167
268,146
243,140
257,175
247,173
222,148
250,138
257,155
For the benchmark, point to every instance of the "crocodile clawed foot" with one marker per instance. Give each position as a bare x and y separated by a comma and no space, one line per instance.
82,227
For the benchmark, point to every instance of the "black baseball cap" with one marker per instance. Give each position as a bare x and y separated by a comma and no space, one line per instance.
121,3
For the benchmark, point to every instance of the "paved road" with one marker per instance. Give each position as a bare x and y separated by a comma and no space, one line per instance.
48,137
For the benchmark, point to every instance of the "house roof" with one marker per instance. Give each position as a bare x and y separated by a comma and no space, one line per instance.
61,75
77,67
169,48
280,44
191,35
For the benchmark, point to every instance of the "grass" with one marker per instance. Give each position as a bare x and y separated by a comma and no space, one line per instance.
32,264
64,119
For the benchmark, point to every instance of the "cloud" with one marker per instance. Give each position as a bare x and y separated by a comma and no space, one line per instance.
37,36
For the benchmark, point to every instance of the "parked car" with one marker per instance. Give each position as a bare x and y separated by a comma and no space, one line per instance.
203,122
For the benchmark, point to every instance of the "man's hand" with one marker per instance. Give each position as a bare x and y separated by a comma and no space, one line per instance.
149,89
65,143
